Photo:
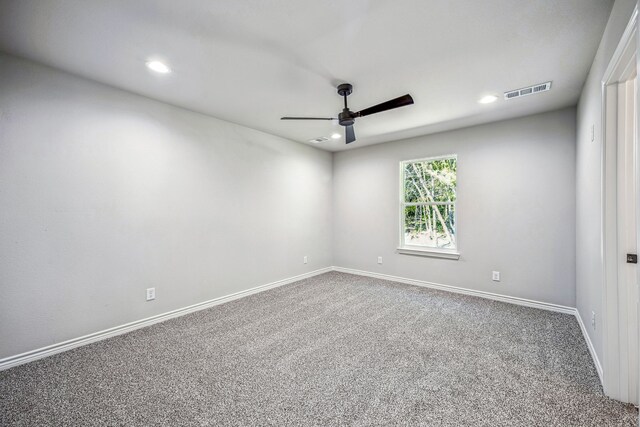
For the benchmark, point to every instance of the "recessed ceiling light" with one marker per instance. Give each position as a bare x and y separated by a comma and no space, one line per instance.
336,136
488,99
158,67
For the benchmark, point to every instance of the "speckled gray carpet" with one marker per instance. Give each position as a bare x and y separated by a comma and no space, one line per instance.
335,349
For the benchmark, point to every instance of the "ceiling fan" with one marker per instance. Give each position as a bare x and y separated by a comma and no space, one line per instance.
348,117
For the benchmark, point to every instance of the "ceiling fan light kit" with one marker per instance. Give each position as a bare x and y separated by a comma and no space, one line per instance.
347,117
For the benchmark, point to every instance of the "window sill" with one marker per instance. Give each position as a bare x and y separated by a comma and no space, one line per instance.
433,253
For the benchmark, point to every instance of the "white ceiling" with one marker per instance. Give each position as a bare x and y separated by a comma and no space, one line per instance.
253,61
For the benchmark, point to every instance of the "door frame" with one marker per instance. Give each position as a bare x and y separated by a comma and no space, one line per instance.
615,375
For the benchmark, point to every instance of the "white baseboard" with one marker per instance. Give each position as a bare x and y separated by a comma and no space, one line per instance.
40,353
465,291
11,361
592,349
492,296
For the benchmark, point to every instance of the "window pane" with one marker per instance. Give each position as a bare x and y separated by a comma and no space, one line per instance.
415,182
430,226
430,181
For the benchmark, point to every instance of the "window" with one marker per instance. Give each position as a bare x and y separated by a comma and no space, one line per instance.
428,206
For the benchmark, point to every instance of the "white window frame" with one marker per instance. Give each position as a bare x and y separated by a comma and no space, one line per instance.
422,250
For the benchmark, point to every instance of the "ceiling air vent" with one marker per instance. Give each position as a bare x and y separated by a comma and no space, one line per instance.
542,87
318,140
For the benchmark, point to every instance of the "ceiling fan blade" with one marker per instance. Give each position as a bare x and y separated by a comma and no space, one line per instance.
307,118
388,105
349,134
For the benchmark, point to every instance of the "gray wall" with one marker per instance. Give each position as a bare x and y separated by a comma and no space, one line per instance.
516,207
105,193
589,279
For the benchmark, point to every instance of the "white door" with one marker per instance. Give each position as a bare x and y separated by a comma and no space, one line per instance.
627,235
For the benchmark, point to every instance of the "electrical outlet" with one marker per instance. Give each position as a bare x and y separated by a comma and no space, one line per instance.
151,294
379,260
304,260
593,320
495,276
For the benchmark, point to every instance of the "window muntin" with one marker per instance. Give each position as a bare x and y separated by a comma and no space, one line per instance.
428,203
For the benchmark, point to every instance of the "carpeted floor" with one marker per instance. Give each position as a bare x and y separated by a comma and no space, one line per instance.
335,349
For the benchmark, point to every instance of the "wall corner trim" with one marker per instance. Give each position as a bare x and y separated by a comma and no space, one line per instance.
40,353
590,346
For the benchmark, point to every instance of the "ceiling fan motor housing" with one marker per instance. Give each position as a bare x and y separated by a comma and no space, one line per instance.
346,118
